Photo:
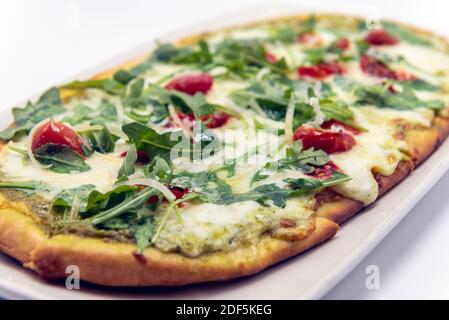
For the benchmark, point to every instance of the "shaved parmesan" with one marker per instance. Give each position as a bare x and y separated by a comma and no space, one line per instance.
319,115
151,183
289,120
29,146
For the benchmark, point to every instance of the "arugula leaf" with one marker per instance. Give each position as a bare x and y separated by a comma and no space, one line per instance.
61,158
271,193
98,201
101,140
133,202
105,112
143,233
405,35
127,167
211,188
159,169
197,104
47,106
154,144
421,85
134,97
108,85
382,97
297,159
123,76
81,113
20,185
148,140
65,198
273,100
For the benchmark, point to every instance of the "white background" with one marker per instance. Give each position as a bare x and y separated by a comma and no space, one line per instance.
44,42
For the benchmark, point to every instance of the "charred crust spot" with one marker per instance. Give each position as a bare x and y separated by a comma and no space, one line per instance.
378,178
139,257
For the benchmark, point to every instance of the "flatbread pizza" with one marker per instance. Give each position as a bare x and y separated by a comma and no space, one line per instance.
222,154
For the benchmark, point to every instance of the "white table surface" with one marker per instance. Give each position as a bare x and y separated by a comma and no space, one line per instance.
44,42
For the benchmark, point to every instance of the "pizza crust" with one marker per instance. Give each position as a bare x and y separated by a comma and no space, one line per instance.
116,264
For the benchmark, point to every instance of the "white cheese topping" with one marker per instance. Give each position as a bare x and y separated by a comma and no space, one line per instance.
103,173
210,227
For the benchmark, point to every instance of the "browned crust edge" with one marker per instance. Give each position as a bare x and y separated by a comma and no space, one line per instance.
115,264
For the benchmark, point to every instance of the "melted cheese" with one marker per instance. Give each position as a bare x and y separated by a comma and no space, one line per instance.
376,150
103,173
209,227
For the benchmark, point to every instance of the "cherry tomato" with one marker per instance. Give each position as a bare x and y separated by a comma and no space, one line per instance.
342,44
142,157
326,140
215,120
270,58
57,133
377,68
380,37
330,123
191,83
307,37
178,192
321,70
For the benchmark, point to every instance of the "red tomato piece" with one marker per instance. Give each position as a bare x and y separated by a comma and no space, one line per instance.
142,157
179,192
307,37
380,37
376,68
215,120
326,140
324,172
191,83
321,70
270,58
328,124
342,44
57,133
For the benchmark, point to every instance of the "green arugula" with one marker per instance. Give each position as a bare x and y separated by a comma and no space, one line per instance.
143,233
61,159
159,169
47,106
20,185
273,100
210,188
100,140
405,35
65,198
97,201
382,97
108,85
127,167
148,140
296,159
131,203
154,144
105,112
